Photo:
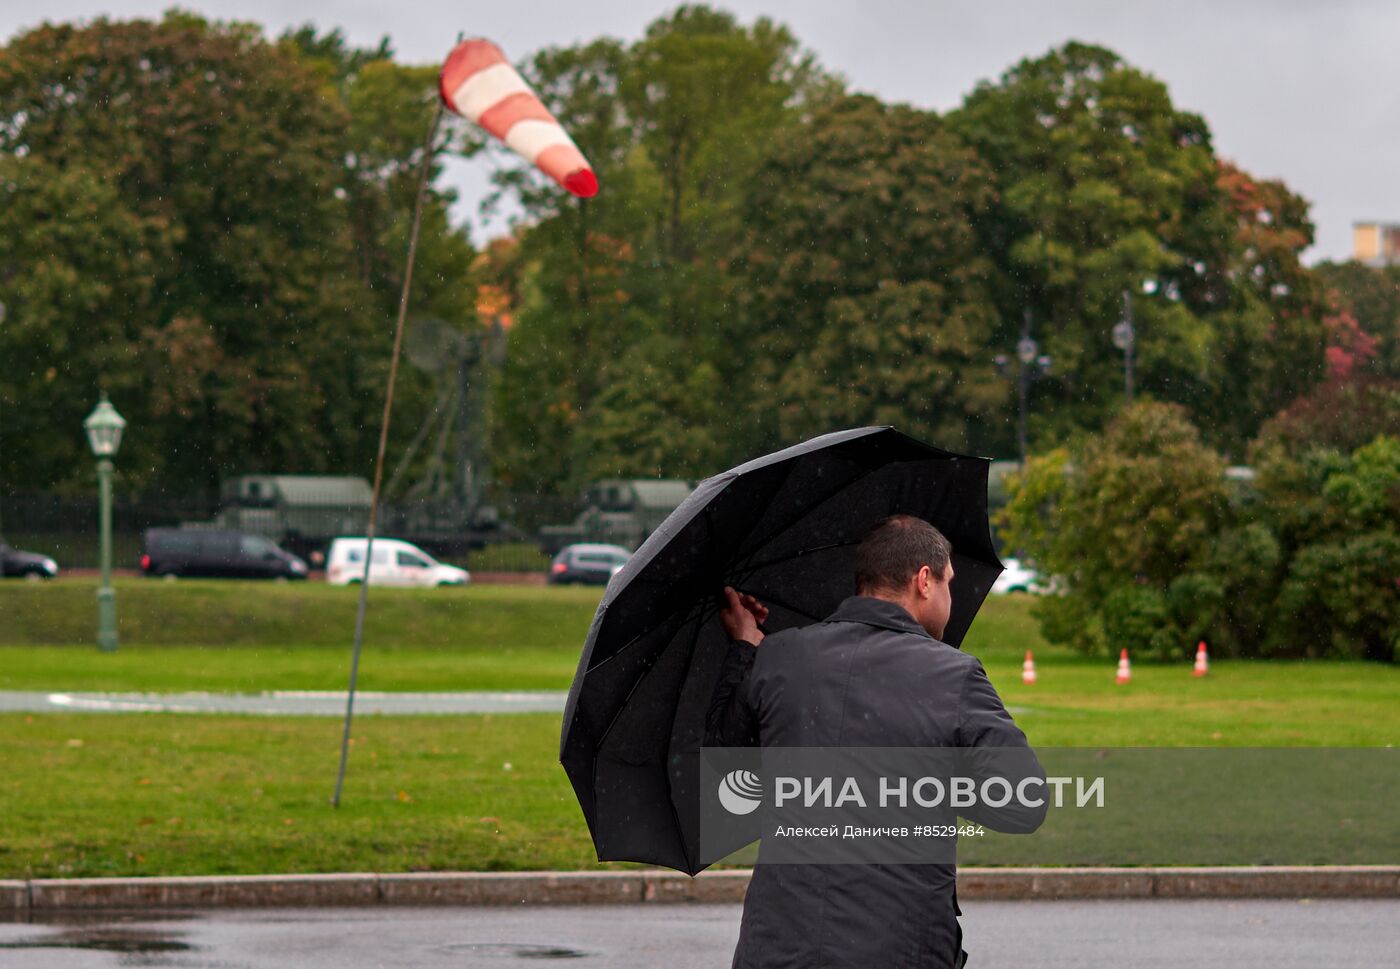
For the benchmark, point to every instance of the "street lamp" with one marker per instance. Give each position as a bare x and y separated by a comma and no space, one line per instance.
104,428
1124,336
1033,364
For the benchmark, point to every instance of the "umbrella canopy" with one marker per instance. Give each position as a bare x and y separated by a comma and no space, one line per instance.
783,527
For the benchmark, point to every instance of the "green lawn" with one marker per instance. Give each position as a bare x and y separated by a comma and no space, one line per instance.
93,794
145,794
89,795
226,613
257,636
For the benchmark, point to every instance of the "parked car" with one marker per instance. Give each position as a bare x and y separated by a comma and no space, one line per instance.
216,553
587,563
1017,578
395,562
27,565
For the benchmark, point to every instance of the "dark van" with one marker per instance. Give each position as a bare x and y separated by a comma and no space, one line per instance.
216,553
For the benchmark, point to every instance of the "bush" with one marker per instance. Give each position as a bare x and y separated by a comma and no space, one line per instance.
1118,520
1151,555
1343,599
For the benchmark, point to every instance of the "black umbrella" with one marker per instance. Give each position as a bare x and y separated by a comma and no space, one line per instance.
783,527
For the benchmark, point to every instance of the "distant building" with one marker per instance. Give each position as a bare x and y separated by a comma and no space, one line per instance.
1376,243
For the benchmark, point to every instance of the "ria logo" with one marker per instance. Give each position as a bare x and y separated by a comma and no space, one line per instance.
740,791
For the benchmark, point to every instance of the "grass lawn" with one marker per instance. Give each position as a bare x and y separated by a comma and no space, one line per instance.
145,794
255,636
243,636
92,794
86,795
192,612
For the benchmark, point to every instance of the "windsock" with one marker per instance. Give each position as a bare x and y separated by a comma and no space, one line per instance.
1125,671
1202,666
478,83
1028,669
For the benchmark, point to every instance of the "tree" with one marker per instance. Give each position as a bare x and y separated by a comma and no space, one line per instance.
1269,342
1337,513
1370,297
1107,189
865,298
222,285
635,283
1126,522
390,107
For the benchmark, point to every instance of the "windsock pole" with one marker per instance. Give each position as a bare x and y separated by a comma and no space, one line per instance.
1125,669
424,169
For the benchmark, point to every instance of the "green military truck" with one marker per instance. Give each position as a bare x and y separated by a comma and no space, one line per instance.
618,511
300,512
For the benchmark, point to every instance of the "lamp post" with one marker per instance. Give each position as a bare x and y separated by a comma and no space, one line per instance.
1032,364
104,428
1124,336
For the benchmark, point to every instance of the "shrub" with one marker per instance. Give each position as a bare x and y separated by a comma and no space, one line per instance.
1150,553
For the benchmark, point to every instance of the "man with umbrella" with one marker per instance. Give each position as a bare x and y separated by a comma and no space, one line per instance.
873,674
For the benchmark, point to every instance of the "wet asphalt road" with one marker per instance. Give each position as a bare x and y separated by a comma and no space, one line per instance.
1011,935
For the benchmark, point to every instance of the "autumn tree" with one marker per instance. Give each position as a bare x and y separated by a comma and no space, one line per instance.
183,232
1369,297
1109,192
632,289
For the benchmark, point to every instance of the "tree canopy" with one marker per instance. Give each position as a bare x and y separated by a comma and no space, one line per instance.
210,224
206,224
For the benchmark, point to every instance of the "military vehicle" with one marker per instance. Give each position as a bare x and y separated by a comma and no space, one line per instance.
300,512
618,511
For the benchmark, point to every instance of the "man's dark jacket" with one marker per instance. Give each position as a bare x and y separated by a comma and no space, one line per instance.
868,676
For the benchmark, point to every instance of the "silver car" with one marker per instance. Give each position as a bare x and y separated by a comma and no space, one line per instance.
587,564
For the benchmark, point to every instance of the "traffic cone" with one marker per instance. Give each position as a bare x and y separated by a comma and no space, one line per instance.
1202,666
1028,669
1125,671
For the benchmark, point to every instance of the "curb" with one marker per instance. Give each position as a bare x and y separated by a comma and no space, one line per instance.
664,887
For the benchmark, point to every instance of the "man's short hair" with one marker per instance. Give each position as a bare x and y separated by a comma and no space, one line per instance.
895,549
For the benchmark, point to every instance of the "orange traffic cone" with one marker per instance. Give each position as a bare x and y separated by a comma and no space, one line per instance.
1202,666
1028,669
1125,671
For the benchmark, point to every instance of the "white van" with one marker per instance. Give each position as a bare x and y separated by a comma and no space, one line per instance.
395,563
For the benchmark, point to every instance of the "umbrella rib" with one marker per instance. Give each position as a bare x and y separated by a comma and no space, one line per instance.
754,567
642,577
612,723
675,816
807,510
791,608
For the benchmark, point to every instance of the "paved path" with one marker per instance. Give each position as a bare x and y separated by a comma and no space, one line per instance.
312,703
316,703
1155,934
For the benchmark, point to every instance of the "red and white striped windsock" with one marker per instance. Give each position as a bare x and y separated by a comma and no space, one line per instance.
479,83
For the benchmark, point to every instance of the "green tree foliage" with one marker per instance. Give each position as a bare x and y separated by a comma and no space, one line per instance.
625,299
1119,520
1152,550
1339,516
1105,186
187,229
866,297
847,261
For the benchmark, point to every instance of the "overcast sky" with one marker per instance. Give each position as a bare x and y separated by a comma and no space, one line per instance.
1294,89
